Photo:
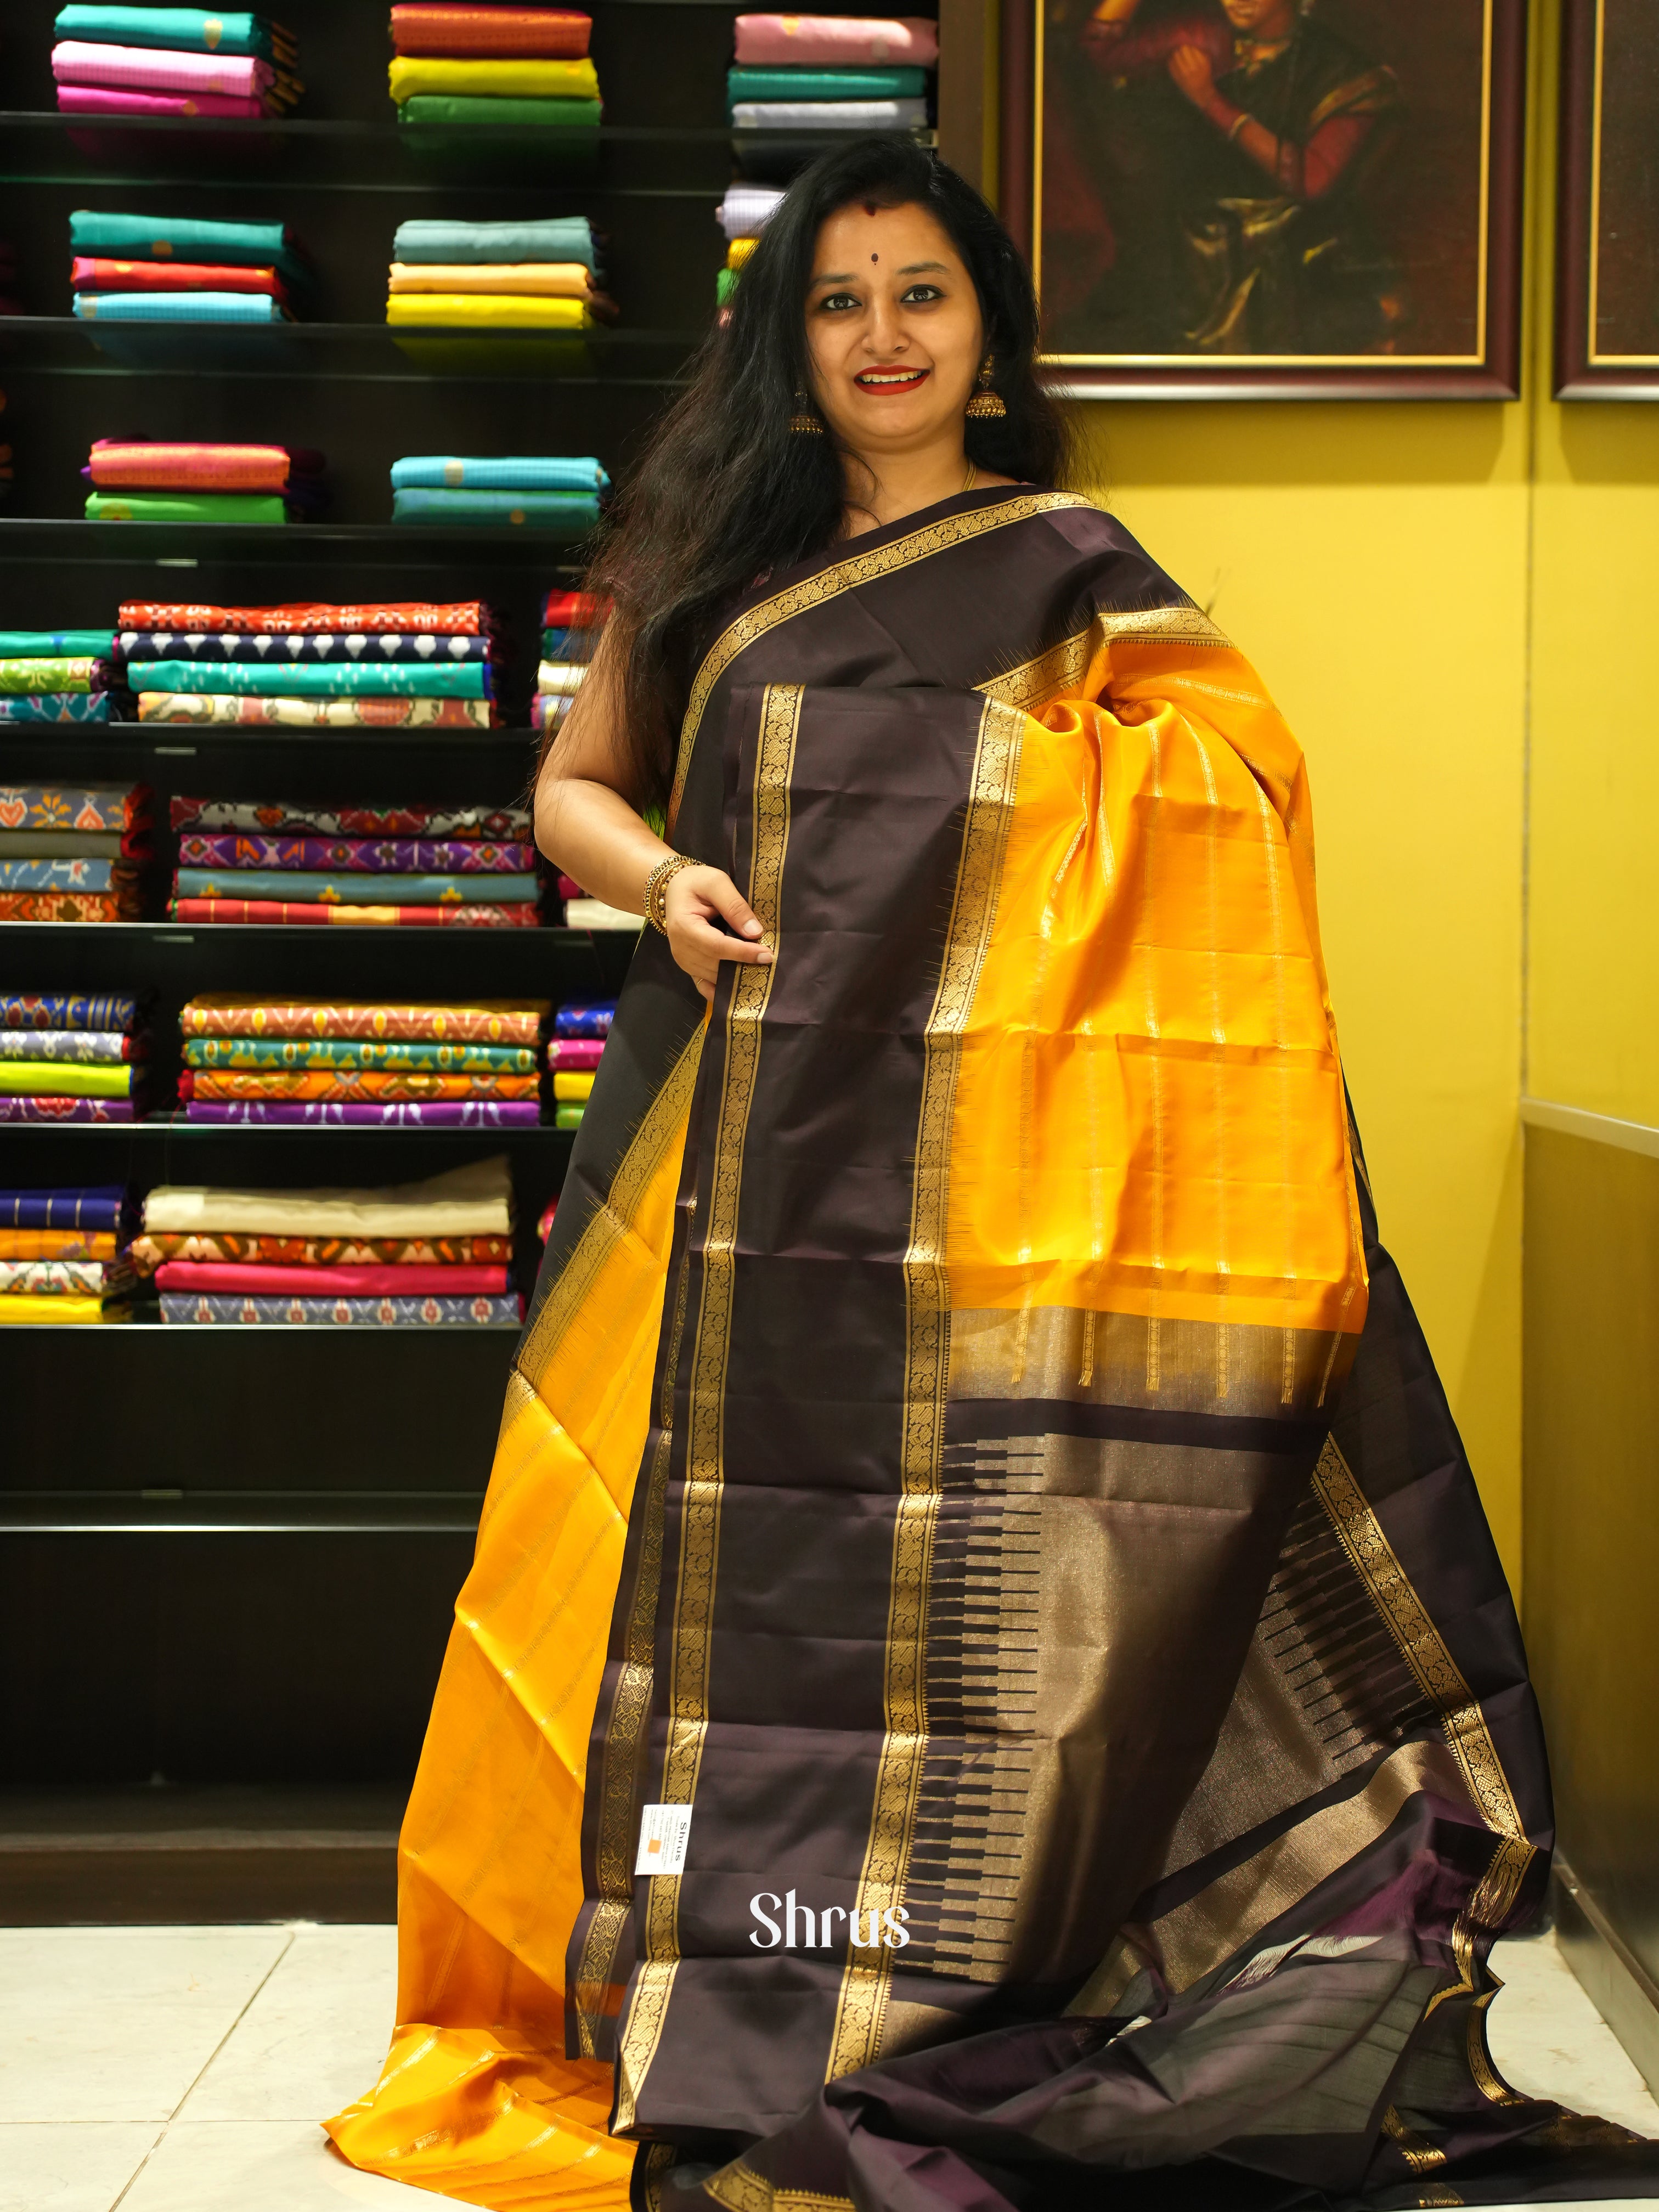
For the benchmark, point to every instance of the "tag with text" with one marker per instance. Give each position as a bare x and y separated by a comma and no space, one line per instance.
665,1831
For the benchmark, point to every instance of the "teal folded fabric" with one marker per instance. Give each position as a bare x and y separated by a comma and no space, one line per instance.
302,679
571,511
187,238
185,507
183,29
567,238
476,112
57,706
524,472
179,307
56,644
826,84
346,889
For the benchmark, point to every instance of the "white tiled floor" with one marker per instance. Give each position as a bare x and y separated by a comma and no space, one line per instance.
185,2069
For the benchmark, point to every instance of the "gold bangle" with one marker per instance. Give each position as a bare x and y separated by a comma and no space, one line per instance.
656,887
1237,124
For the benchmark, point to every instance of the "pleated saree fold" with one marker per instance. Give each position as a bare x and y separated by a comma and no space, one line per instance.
969,1449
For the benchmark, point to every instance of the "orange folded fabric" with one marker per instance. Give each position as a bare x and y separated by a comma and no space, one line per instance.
520,33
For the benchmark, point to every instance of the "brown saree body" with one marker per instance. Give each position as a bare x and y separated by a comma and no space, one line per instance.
971,1457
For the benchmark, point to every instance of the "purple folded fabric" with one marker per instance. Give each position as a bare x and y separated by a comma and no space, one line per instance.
433,1114
55,1109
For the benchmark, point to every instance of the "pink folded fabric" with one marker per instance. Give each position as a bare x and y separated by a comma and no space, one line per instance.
103,100
575,1054
836,42
412,1278
151,69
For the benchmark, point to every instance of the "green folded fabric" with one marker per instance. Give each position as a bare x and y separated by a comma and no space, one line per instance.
187,238
301,679
185,30
467,111
185,507
28,675
26,1078
826,84
306,886
56,645
571,511
555,237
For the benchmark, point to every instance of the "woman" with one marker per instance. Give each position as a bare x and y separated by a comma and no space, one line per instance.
974,1508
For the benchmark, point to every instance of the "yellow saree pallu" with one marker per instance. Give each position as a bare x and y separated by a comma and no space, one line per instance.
970,1460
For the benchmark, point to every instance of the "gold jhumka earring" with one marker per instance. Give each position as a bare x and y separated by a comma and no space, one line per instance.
986,404
804,422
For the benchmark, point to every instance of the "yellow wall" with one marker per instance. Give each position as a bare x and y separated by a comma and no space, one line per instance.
1372,562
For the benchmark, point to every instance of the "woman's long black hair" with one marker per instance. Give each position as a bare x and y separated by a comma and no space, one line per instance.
724,493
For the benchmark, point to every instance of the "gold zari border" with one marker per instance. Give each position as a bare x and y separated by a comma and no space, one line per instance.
1060,670
829,583
741,2189
700,1510
863,2002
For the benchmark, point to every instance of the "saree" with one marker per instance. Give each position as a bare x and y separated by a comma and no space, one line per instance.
973,1508
524,33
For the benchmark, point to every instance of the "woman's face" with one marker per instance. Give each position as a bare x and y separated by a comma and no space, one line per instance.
893,329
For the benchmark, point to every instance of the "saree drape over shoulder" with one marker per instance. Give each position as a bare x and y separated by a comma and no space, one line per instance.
970,1449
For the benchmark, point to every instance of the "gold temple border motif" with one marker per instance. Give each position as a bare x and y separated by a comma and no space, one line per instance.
663,1120
829,583
741,2189
862,2004
700,1512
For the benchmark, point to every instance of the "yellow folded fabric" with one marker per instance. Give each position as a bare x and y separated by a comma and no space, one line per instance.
485,310
509,79
64,1078
573,1086
17,1308
740,250
563,280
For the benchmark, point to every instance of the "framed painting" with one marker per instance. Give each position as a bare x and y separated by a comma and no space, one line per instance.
1270,199
1607,258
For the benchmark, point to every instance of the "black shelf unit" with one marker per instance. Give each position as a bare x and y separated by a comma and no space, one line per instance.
231,1555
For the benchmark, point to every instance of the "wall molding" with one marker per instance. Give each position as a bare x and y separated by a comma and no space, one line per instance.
1612,1976
1596,1128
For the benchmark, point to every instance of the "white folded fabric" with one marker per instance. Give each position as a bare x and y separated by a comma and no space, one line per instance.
560,678
594,913
830,114
476,1200
747,209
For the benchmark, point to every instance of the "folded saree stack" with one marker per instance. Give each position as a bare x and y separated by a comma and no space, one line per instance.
818,73
177,61
493,69
180,269
60,676
539,275
413,1255
547,492
431,1065
571,622
68,1057
146,480
71,854
578,1034
411,666
64,1253
742,215
390,866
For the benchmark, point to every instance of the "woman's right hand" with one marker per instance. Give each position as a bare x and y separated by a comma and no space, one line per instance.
696,901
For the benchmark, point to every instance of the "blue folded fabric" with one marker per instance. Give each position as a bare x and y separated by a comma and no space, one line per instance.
402,679
66,875
570,513
567,238
187,238
57,706
56,644
102,1207
179,307
526,472
184,29
351,889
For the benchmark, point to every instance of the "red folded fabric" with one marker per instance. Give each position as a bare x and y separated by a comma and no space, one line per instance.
524,914
101,100
88,274
523,34
470,618
399,1280
139,464
574,611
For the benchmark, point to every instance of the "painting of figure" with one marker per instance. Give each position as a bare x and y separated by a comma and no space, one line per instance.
1285,181
1608,249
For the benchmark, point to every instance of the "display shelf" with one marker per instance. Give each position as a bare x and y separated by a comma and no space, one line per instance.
171,1126
77,539
189,740
196,1513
